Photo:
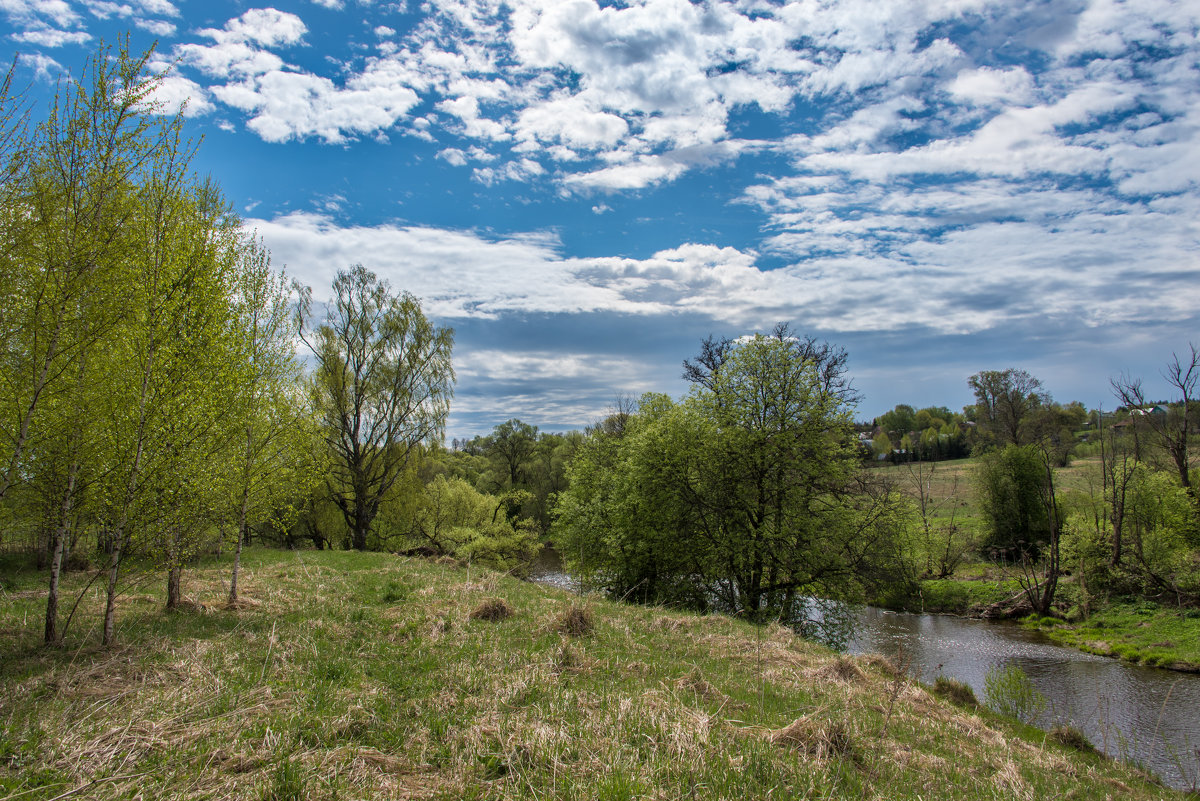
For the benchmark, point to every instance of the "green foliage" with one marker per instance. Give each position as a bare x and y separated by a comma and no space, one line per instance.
1010,692
455,519
744,497
144,336
1012,489
899,420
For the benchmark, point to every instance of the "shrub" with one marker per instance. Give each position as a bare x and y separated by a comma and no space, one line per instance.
1010,692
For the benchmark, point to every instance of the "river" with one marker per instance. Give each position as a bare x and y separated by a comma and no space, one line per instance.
1150,716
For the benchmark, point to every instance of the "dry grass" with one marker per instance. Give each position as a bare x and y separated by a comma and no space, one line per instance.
576,621
317,688
817,737
492,610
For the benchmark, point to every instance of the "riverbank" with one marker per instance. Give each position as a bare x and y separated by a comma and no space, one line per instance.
373,676
1140,632
1143,633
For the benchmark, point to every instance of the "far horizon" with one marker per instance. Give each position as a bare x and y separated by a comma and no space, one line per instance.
587,190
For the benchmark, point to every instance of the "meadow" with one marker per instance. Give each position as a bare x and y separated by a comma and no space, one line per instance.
367,675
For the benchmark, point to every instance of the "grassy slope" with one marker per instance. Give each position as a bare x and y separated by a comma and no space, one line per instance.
365,676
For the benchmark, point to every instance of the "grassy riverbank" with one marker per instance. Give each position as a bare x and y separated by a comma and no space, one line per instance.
370,676
1136,632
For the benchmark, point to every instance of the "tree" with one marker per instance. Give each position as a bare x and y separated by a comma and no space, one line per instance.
1171,431
1020,507
1003,400
453,518
382,385
900,420
746,496
106,239
513,442
273,431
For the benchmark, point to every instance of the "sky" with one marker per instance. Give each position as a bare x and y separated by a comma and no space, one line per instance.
586,190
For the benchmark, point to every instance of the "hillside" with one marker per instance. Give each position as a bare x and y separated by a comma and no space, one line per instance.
347,675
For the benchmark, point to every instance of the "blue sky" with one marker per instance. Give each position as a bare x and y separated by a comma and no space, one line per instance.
585,190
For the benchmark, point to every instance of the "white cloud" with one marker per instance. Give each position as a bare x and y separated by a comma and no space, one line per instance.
542,365
268,27
162,8
287,105
454,156
44,67
49,37
174,91
569,121
993,86
25,12
522,170
104,9
157,27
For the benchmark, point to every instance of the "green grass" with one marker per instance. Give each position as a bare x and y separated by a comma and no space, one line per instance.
351,675
1137,632
959,596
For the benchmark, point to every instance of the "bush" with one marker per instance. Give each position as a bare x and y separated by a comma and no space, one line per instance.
1010,692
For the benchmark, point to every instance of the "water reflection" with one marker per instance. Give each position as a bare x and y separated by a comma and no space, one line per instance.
1145,715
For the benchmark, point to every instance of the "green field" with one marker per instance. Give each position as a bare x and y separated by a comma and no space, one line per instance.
348,675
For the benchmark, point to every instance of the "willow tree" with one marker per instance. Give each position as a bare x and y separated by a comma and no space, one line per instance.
746,495
382,385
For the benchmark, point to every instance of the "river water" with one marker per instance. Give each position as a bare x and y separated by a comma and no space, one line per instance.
1145,715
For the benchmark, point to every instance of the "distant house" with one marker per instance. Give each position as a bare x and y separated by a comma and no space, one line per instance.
1158,410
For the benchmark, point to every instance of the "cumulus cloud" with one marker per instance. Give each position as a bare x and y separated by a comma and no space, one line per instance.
284,102
26,12
176,93
268,27
44,67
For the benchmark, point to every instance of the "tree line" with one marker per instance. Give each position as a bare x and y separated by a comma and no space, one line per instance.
154,409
